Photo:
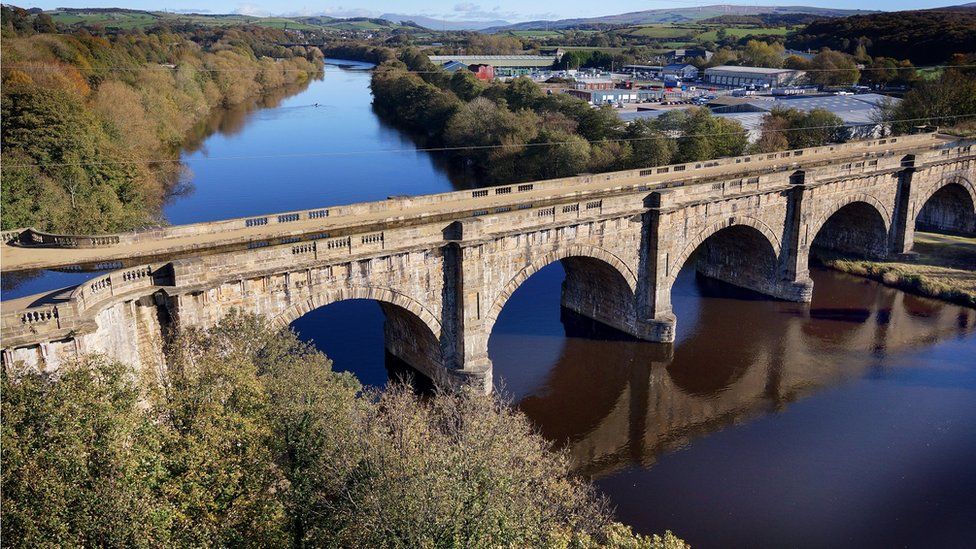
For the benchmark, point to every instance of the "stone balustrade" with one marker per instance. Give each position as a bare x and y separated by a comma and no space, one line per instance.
682,174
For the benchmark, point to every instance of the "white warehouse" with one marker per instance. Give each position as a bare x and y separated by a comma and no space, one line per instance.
732,76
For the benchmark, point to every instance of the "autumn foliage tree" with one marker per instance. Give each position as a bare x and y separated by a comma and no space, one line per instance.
248,438
91,124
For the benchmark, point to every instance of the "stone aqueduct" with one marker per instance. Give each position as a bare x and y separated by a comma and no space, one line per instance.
443,266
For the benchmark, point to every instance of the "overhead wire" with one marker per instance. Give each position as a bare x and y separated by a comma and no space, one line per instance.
160,67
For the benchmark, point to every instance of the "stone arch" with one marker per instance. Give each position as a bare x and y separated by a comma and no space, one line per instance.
714,228
846,201
947,212
382,295
542,261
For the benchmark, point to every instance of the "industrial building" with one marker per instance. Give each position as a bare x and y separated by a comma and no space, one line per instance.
482,72
858,112
615,96
504,66
681,71
645,71
687,54
594,84
513,61
760,77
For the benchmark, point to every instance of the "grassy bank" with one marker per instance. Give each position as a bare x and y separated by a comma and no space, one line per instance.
943,269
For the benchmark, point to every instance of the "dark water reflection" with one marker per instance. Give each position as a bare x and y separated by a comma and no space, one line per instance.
848,422
852,422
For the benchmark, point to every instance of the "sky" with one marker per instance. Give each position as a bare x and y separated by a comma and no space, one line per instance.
454,10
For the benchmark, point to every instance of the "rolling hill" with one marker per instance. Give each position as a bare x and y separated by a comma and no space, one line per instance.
119,18
675,15
441,24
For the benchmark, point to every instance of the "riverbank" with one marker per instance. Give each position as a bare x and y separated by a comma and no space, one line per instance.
943,268
94,126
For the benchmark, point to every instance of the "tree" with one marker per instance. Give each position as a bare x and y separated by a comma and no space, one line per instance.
702,136
466,85
222,479
722,56
522,93
763,54
81,465
463,471
650,146
944,102
54,128
248,438
44,24
796,63
609,155
773,133
833,68
595,124
793,129
482,124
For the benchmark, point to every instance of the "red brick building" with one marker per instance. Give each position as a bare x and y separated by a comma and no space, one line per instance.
483,72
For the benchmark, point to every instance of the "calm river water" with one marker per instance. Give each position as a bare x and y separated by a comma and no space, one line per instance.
847,422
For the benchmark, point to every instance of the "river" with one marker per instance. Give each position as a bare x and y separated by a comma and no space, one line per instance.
850,421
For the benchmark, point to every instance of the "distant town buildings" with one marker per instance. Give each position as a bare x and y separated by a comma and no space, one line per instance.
744,94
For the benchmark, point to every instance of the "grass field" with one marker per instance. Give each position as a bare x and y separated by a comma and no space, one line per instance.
119,20
591,48
942,269
662,31
739,32
535,34
697,33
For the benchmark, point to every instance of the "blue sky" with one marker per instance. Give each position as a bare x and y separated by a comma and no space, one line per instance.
511,10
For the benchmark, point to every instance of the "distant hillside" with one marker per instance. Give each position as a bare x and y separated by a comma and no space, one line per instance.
923,36
676,15
440,24
119,18
764,19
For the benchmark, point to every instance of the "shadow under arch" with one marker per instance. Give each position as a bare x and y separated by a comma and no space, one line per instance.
598,285
949,207
411,347
740,254
859,228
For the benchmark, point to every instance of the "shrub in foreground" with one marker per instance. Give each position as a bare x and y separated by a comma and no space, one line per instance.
248,438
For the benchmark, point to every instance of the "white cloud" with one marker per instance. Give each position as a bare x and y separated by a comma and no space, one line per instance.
472,11
251,9
341,11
